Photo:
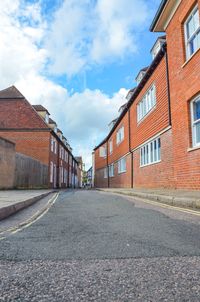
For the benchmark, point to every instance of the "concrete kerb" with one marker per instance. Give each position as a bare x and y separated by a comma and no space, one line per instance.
176,201
14,208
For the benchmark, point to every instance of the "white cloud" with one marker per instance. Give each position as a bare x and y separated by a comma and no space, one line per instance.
91,32
83,33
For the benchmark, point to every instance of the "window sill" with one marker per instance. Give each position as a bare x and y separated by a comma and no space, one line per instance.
122,172
190,58
157,162
119,142
193,148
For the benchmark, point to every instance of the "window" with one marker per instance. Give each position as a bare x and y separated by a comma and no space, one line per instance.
111,170
111,147
122,165
192,32
52,144
195,119
55,146
102,151
105,172
147,103
51,171
150,153
47,118
120,135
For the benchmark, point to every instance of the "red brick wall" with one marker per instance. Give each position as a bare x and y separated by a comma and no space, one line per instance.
100,162
122,180
19,114
158,174
34,144
184,84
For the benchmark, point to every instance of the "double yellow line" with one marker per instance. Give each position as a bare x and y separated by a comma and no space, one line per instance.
31,220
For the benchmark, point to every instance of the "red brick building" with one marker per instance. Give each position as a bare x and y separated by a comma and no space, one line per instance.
180,21
37,136
155,142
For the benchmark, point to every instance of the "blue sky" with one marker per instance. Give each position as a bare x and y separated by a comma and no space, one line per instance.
78,58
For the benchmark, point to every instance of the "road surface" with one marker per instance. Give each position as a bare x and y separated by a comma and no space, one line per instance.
96,246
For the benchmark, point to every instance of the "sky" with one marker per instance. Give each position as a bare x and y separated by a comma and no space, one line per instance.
77,58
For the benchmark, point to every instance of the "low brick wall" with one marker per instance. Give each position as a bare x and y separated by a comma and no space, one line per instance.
7,163
30,173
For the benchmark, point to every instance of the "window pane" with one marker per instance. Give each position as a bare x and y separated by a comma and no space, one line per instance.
159,149
196,110
190,27
151,151
147,152
197,130
196,19
155,151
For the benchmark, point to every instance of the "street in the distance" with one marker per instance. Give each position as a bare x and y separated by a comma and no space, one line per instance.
97,246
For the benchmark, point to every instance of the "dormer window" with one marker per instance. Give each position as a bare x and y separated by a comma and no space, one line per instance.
130,93
47,118
141,75
157,46
111,124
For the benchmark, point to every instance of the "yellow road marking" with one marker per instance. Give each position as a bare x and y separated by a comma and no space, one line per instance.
188,211
31,220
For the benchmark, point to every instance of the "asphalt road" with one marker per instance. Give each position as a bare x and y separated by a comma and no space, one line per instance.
95,246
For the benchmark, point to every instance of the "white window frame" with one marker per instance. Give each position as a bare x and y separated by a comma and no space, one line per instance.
51,172
194,122
111,170
111,146
52,144
120,135
188,40
55,146
102,151
147,103
150,153
105,172
122,165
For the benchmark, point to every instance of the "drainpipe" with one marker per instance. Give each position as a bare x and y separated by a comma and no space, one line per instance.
168,88
107,164
129,143
68,171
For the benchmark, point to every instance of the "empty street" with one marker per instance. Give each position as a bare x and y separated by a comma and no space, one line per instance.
95,246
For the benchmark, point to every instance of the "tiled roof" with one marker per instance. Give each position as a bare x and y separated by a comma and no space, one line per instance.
40,108
11,93
79,159
52,121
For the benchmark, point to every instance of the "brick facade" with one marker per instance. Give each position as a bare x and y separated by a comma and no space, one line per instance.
168,123
27,127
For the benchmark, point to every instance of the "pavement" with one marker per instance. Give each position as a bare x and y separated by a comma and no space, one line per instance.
176,198
95,246
12,201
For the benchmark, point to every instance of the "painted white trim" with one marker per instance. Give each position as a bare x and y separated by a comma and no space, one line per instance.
166,15
194,144
178,2
190,58
185,32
